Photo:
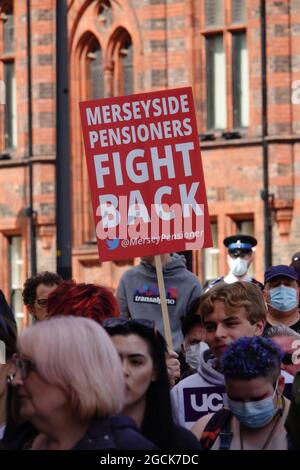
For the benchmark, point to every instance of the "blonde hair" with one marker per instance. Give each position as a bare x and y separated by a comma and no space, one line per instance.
78,355
235,296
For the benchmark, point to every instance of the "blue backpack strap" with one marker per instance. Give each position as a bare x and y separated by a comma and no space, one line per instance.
218,423
225,436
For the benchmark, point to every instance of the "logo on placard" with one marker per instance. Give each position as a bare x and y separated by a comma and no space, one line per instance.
150,295
112,244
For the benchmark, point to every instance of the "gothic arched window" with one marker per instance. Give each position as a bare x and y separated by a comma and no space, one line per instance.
122,58
95,70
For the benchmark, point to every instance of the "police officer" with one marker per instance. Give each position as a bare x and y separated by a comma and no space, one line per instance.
239,259
295,262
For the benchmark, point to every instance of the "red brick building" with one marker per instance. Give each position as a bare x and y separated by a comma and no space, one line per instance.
126,46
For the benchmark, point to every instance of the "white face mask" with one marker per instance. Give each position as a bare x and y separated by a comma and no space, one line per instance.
192,355
238,266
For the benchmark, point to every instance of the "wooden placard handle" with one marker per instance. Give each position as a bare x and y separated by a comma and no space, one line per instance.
163,301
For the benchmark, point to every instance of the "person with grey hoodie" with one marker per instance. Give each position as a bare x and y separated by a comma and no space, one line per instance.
200,393
138,293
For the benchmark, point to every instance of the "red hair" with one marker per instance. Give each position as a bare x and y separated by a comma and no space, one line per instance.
82,300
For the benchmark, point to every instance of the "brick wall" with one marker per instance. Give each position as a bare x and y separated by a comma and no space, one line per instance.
14,173
168,49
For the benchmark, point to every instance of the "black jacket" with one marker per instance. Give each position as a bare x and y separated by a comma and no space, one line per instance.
112,433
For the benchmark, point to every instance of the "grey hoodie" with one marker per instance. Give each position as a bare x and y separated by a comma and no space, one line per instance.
200,393
138,294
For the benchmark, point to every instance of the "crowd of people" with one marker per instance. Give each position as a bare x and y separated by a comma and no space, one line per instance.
93,371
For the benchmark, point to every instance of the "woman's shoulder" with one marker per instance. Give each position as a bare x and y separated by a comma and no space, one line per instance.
199,426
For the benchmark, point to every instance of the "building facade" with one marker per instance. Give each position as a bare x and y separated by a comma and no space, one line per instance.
121,47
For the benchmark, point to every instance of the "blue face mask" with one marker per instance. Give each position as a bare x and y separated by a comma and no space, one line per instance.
254,414
283,298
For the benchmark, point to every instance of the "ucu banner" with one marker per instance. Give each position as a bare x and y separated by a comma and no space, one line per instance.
199,401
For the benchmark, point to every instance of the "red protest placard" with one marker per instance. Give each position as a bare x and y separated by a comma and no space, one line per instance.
145,174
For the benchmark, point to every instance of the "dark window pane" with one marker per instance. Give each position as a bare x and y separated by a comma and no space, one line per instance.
240,84
238,11
126,55
95,90
246,226
96,72
10,106
215,82
214,12
8,32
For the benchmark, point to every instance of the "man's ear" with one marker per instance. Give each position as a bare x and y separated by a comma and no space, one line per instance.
182,347
259,327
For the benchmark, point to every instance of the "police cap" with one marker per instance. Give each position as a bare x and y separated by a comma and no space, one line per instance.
243,243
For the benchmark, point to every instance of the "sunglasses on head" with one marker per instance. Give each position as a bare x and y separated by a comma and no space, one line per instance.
121,321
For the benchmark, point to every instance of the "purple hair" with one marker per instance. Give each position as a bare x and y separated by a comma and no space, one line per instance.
251,357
